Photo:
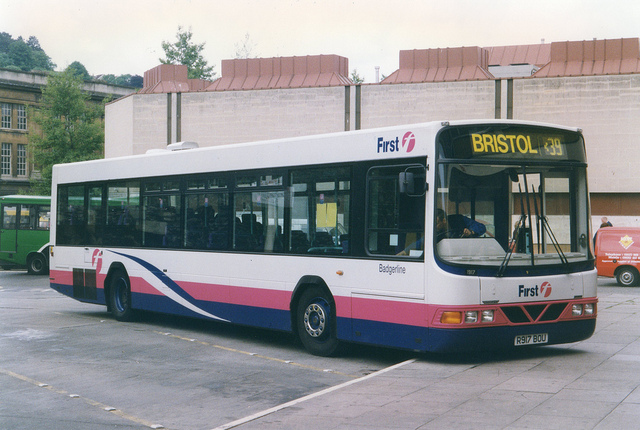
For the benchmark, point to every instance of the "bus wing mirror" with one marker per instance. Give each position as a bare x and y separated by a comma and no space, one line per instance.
406,182
413,184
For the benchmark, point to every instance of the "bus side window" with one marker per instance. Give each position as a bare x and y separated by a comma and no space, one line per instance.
395,219
26,212
123,213
71,220
320,208
43,217
9,217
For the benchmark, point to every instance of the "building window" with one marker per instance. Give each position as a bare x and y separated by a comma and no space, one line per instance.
22,160
5,163
21,111
6,115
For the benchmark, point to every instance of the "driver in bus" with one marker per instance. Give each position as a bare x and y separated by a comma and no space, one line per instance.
456,225
451,226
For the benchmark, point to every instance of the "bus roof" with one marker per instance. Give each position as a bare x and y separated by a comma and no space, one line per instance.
19,198
369,144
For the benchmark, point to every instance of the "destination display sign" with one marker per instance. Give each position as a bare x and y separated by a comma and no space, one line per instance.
515,142
527,145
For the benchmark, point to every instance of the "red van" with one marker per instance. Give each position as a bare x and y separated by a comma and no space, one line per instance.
618,254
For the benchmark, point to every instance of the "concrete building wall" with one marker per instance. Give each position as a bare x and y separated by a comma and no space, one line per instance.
216,118
385,105
607,108
149,122
118,128
135,124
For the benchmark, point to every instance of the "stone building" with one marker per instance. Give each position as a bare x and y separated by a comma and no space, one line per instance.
594,85
19,93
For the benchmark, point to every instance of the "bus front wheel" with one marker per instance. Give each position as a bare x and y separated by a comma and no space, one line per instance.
37,264
316,322
120,296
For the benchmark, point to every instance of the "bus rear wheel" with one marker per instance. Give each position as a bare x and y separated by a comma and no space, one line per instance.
37,264
120,296
316,322
627,277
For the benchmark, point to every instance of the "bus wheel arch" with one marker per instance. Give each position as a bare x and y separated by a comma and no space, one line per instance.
627,276
37,263
117,290
313,316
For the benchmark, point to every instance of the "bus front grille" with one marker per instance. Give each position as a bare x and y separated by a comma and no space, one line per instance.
522,314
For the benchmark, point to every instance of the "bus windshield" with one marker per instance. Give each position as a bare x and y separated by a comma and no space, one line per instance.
511,212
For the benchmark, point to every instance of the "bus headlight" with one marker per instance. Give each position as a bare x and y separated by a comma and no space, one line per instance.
487,316
576,310
589,309
471,317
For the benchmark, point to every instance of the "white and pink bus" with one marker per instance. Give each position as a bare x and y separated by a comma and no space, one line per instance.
442,236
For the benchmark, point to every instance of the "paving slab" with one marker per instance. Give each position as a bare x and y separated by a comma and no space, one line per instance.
593,384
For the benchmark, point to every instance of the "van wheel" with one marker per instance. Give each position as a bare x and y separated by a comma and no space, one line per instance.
627,277
37,265
316,322
120,296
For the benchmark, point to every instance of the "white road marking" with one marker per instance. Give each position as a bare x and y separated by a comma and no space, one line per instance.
310,396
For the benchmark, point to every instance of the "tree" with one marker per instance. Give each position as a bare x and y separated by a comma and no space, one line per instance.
70,127
5,41
356,78
183,51
42,62
17,54
245,48
135,81
34,43
78,69
20,54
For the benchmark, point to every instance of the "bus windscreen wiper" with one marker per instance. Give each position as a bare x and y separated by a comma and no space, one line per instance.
516,234
544,222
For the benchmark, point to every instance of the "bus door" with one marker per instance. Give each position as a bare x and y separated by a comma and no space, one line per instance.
9,232
387,302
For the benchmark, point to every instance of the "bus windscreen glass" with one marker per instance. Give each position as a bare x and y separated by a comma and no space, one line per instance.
511,209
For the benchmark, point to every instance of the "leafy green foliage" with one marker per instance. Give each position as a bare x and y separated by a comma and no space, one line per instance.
183,51
356,78
23,56
71,127
78,69
135,81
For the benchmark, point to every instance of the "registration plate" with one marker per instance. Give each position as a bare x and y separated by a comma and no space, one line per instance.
531,339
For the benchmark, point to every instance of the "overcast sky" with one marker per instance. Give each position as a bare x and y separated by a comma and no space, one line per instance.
125,36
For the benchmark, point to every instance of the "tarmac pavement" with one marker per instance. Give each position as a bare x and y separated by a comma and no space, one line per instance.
593,384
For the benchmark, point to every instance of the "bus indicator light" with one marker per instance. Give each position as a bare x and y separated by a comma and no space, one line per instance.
449,317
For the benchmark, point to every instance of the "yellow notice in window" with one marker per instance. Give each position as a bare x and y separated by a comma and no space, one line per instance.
326,214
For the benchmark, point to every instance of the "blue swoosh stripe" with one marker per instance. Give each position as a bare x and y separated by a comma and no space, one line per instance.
161,277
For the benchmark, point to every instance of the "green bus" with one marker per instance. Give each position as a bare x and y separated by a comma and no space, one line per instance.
24,232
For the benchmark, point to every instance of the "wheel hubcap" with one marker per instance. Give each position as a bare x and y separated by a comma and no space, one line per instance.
36,265
315,318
